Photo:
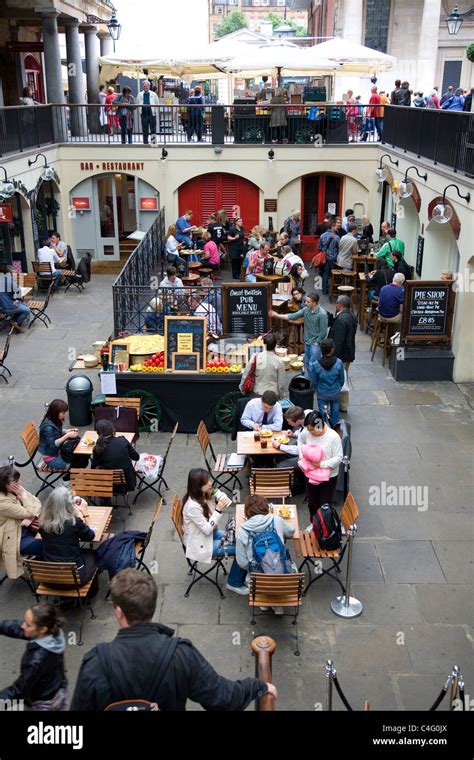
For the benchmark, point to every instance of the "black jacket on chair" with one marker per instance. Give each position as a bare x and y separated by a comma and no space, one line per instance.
41,671
118,456
343,332
135,656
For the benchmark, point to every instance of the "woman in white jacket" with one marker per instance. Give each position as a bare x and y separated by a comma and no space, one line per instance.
316,431
201,516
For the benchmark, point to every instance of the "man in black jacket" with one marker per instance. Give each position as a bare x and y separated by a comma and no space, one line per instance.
135,655
343,332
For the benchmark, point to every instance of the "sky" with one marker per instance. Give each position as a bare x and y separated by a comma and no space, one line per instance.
159,28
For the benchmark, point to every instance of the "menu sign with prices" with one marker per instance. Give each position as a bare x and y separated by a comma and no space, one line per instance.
428,310
185,335
245,308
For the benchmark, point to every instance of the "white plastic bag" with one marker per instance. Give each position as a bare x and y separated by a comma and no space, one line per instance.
150,465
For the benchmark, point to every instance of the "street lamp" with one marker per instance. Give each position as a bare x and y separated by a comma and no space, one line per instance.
382,172
47,173
7,188
455,19
406,187
443,211
113,25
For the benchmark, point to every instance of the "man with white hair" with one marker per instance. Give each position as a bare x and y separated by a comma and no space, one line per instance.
148,100
391,299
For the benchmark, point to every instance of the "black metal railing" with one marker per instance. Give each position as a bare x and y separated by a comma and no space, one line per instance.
444,137
23,127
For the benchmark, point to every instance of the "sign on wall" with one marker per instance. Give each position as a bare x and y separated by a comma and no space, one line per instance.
149,204
6,212
81,204
420,247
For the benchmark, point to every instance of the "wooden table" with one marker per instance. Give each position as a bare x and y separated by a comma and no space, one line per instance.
272,278
362,306
99,518
360,260
25,292
247,446
82,448
240,517
190,279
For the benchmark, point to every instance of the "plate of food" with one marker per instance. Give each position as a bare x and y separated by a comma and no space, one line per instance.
282,438
285,512
296,364
88,441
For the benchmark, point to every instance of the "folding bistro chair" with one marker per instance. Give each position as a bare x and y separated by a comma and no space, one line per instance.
92,484
142,545
273,484
307,547
47,475
143,484
279,590
44,273
38,308
3,356
44,577
177,517
217,463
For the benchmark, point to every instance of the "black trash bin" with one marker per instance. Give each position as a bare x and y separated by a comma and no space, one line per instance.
301,392
79,397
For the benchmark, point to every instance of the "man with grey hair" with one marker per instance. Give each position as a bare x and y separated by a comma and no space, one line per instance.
391,299
342,332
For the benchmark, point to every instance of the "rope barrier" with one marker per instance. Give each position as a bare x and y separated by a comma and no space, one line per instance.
341,694
456,682
442,695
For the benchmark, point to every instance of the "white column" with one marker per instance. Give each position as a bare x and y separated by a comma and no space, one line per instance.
75,78
106,44
353,21
428,46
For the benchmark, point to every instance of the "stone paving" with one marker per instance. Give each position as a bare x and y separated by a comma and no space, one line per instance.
413,562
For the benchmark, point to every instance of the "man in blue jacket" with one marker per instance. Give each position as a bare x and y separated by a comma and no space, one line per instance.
327,376
10,300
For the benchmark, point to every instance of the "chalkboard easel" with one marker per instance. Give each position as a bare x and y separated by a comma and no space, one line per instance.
245,307
428,311
185,363
185,335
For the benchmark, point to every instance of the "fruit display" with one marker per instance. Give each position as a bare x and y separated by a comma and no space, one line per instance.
155,363
220,365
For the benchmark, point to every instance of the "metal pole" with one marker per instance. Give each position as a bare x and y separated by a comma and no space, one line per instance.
454,686
330,674
347,465
347,606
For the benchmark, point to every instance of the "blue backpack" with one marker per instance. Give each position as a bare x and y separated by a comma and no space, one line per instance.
269,553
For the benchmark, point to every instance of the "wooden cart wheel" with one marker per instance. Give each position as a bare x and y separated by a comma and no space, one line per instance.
225,410
150,411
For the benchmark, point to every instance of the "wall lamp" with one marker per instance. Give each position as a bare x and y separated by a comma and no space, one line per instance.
7,188
381,171
455,19
406,187
164,155
271,155
443,211
47,172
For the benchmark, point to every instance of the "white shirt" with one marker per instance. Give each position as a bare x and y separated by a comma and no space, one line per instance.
47,255
213,322
165,283
172,245
253,412
331,444
291,259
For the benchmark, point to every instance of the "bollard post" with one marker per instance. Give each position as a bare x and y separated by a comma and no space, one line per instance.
330,673
11,460
347,606
455,675
347,466
263,648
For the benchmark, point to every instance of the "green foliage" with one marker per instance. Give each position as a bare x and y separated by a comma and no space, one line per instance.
470,52
231,23
277,21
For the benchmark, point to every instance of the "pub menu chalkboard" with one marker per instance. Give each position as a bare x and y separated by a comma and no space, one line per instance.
245,307
185,335
428,310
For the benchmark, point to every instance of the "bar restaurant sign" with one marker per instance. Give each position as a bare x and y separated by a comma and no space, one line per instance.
112,166
428,310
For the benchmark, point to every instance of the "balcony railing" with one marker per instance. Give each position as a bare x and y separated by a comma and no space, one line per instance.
27,127
444,137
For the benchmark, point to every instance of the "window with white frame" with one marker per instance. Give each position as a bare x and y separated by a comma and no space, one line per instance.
219,10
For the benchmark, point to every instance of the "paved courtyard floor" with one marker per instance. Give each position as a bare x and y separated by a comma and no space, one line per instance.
413,562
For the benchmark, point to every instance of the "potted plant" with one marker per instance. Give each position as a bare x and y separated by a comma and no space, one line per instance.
470,52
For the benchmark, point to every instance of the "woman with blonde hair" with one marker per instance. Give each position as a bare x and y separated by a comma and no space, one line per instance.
173,247
110,110
367,229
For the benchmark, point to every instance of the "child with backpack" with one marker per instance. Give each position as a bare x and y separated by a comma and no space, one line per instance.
327,377
260,544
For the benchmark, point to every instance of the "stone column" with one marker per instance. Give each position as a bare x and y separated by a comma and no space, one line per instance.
428,46
75,79
53,74
92,73
18,71
353,21
106,43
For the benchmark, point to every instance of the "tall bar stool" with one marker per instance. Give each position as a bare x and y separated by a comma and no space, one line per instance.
335,279
347,290
295,336
381,338
371,322
349,277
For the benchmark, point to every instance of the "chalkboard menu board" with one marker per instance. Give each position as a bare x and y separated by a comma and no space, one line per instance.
420,247
185,335
245,307
428,310
186,362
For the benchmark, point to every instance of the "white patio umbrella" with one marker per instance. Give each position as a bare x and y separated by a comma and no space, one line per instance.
350,57
273,60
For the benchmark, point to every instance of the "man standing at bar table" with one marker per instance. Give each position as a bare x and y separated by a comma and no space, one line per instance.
315,326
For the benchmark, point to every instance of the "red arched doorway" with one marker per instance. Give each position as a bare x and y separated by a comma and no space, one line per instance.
320,193
211,192
34,78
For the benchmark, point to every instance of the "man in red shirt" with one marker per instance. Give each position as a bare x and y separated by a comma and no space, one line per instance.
375,112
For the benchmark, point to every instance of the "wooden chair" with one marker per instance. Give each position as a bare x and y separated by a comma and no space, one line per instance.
198,575
44,578
335,279
47,475
217,463
93,483
3,356
307,547
271,483
142,545
144,485
129,401
277,591
38,308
